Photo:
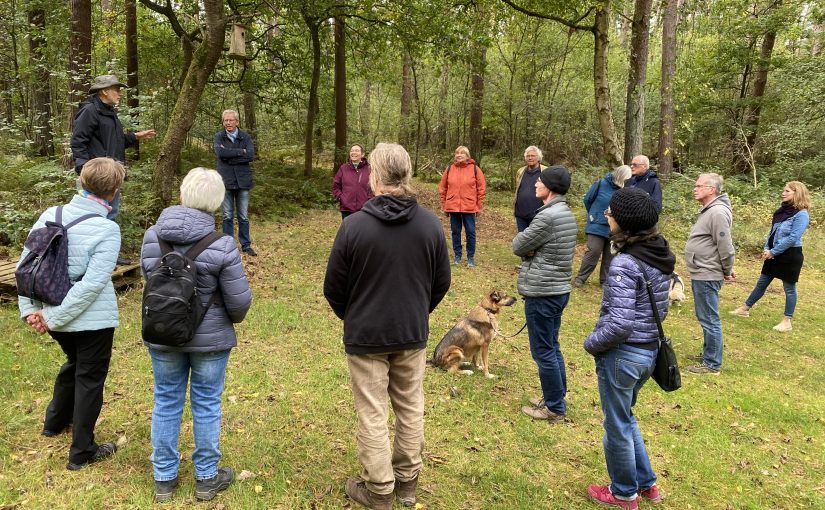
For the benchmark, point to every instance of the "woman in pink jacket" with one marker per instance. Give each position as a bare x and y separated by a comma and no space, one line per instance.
351,185
462,191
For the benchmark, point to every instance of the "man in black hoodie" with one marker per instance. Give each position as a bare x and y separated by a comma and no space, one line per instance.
388,270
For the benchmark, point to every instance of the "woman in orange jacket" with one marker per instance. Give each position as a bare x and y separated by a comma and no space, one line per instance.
462,191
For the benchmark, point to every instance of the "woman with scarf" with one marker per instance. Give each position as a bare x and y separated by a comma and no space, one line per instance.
462,191
782,252
625,341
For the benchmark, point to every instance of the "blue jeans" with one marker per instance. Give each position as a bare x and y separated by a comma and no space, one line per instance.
469,222
762,285
237,201
622,371
543,322
115,204
706,304
522,223
171,371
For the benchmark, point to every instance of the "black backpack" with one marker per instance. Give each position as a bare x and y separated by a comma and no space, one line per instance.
44,274
171,308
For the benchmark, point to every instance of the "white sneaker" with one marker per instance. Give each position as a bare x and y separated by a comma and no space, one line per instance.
741,312
784,326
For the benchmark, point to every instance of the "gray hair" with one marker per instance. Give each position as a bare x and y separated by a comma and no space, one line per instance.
620,175
233,112
202,189
645,160
390,169
535,149
714,180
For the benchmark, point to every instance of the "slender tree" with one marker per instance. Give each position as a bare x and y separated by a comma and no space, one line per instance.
637,76
670,21
130,7
41,91
80,54
477,103
340,95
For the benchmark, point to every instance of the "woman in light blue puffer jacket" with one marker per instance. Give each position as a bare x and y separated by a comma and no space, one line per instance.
202,361
625,342
84,322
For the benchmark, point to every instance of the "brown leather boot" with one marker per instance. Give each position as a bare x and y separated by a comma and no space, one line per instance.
357,491
405,491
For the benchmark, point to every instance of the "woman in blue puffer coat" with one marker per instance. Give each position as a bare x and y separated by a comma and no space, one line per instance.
201,361
625,342
782,252
596,201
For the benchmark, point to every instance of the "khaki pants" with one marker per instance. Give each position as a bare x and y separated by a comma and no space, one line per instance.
374,378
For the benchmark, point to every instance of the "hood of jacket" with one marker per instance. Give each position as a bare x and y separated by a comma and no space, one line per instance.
466,162
722,200
391,208
183,225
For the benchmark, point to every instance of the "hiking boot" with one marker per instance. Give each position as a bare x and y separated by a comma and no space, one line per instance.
742,311
457,261
123,261
357,491
206,490
52,433
651,494
577,283
471,263
165,490
702,368
249,251
104,451
542,413
601,494
405,491
536,401
784,326
697,357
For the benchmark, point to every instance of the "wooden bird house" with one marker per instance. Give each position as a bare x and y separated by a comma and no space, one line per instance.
237,42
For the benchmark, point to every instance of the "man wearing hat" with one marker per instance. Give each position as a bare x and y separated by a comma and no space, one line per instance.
98,132
546,247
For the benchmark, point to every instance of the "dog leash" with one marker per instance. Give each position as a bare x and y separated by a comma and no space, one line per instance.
502,335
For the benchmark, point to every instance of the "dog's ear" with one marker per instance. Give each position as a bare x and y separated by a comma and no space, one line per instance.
495,296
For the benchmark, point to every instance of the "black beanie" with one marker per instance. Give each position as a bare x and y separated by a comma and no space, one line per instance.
556,178
633,210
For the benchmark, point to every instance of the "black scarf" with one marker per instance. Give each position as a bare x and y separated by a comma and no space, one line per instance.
654,251
785,211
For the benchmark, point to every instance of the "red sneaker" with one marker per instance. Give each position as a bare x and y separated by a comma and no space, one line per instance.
652,494
601,494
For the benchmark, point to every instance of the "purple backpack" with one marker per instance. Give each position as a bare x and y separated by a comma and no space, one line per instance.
44,273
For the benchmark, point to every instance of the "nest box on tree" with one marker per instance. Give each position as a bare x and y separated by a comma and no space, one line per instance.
237,42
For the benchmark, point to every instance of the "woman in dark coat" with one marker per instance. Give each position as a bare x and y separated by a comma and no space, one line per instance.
201,361
625,341
351,185
782,252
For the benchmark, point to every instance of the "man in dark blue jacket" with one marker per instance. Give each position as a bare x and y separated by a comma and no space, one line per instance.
645,179
235,151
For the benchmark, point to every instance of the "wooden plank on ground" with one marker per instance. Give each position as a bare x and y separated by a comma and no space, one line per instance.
122,276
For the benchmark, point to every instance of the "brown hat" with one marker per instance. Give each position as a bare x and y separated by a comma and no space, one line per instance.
104,82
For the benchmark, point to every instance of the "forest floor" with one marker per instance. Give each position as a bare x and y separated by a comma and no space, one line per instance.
751,438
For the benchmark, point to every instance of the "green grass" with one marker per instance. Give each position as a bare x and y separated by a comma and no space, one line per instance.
751,438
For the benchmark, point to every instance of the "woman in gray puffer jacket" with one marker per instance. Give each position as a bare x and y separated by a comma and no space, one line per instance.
204,358
625,342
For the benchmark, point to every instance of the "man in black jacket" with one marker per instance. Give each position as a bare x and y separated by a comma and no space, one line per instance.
97,131
645,179
388,270
235,151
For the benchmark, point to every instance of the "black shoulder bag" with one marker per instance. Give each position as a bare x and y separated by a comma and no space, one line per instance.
666,372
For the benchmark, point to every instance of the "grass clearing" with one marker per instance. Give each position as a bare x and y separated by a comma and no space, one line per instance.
751,438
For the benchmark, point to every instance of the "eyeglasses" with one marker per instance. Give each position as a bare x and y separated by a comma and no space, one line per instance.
637,164
608,213
703,186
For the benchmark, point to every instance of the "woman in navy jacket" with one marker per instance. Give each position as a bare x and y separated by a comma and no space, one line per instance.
625,342
783,251
595,201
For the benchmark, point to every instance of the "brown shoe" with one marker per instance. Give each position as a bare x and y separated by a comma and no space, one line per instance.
405,491
542,413
357,491
536,401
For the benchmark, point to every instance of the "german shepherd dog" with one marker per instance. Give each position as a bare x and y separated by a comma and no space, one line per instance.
470,338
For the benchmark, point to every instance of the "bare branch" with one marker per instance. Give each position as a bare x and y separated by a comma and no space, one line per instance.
574,24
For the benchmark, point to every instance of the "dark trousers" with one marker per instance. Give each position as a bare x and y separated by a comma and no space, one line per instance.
78,389
543,322
468,220
597,247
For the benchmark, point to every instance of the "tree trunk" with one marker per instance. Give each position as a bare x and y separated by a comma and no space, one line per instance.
477,104
314,27
443,121
601,84
405,132
250,117
341,151
132,64
667,114
204,60
80,55
364,118
635,111
753,111
40,97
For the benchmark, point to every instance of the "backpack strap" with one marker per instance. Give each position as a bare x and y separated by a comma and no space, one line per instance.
193,252
78,220
58,218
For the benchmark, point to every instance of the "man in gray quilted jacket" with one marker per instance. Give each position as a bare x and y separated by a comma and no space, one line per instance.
546,247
